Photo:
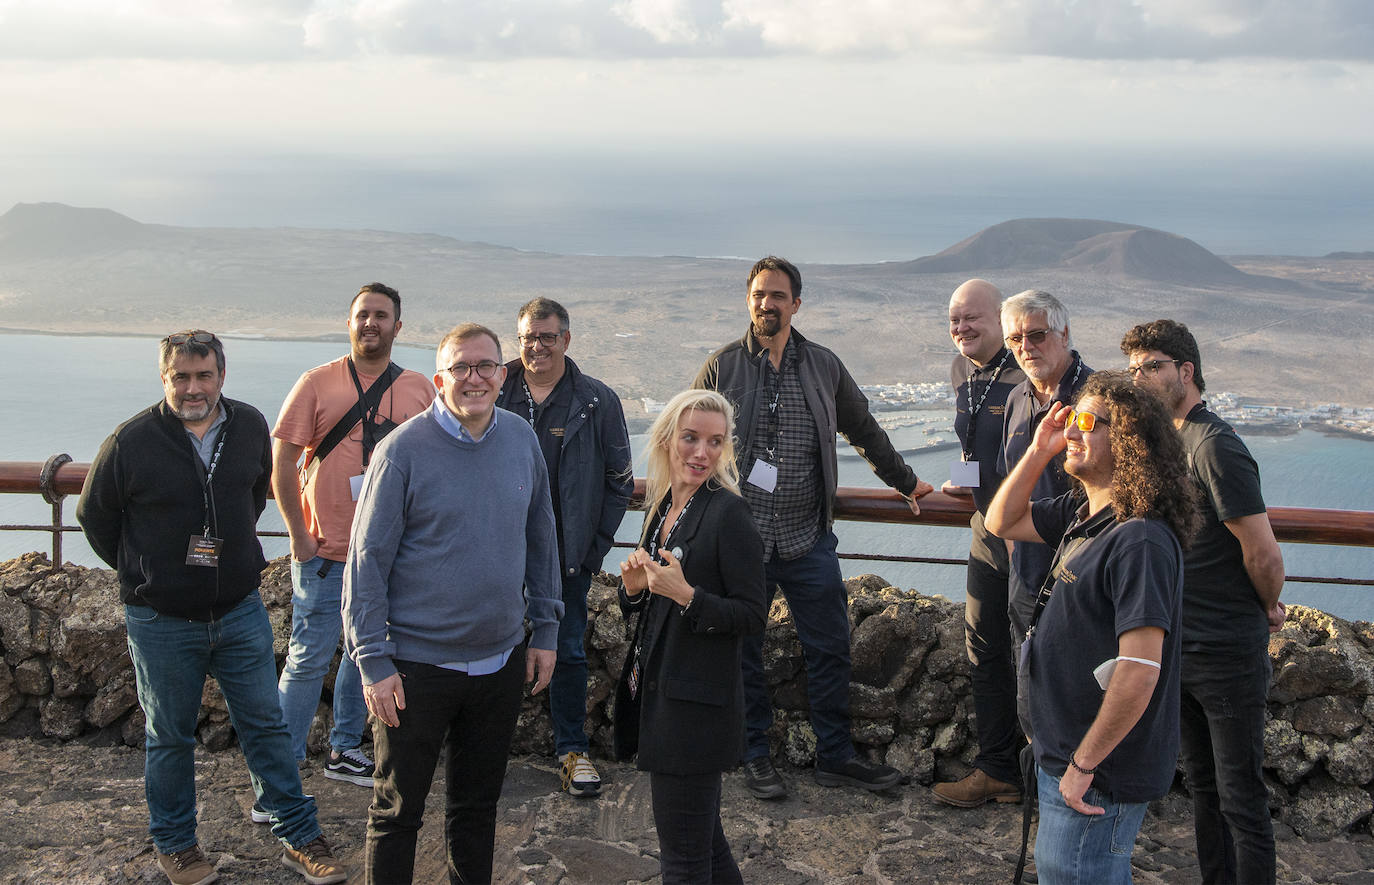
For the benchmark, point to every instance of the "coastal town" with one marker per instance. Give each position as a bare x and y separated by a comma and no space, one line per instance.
926,406
1242,411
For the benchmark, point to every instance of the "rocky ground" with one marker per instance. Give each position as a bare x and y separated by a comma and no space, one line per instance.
74,813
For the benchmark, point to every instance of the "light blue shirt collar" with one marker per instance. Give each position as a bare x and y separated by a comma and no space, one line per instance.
454,427
205,445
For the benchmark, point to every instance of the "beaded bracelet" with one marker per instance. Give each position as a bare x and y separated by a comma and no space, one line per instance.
1080,769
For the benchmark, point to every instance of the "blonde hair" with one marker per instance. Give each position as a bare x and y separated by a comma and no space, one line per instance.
658,473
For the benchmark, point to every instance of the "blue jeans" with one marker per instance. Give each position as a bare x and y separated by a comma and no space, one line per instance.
816,595
316,621
1084,849
1221,723
568,687
172,657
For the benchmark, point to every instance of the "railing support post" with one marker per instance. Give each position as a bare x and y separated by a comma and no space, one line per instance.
53,497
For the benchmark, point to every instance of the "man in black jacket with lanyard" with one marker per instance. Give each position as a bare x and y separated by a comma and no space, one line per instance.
791,396
172,502
983,375
582,433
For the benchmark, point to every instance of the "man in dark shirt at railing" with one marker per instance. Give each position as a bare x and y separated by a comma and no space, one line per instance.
983,375
1233,574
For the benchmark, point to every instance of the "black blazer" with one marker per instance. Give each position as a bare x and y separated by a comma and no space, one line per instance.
689,715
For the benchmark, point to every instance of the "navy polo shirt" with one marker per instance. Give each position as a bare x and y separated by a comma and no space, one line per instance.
984,389
1030,563
1112,577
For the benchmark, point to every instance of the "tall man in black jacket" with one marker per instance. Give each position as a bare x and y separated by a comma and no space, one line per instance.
172,502
791,396
582,433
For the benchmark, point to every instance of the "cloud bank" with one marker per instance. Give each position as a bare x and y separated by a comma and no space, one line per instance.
254,31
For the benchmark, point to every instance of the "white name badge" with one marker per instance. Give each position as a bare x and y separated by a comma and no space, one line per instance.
964,474
764,475
355,484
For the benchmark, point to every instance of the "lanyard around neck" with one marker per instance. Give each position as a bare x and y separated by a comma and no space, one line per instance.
658,525
975,407
207,474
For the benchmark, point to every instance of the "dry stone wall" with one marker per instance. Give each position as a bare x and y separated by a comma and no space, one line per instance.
66,674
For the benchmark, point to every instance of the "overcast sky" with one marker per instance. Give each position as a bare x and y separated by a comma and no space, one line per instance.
170,110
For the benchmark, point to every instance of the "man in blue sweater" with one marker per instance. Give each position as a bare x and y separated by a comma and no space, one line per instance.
452,549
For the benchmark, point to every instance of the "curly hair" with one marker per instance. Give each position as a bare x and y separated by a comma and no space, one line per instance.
1150,476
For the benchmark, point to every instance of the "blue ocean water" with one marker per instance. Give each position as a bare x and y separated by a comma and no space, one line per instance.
65,394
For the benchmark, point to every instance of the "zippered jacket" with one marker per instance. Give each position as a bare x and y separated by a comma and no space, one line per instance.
595,473
834,400
143,502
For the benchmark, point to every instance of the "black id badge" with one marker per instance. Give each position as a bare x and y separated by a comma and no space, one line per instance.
203,550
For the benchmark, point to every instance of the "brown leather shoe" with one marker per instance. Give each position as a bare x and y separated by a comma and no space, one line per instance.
187,867
316,862
975,789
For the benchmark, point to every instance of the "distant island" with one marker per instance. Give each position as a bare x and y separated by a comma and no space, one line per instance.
1275,329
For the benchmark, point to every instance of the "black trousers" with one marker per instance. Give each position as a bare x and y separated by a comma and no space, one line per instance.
691,842
1221,723
476,714
987,638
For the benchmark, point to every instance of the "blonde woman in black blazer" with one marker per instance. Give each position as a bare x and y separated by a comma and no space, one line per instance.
680,701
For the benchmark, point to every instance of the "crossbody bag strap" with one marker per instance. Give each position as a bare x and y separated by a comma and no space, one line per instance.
368,402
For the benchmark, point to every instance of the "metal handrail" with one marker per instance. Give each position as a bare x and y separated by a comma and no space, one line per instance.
56,478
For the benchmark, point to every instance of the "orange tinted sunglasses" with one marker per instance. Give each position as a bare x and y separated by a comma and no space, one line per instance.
1086,421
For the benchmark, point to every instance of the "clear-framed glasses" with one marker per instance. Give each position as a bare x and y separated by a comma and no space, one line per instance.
1149,367
548,339
485,370
1035,336
198,336
1086,421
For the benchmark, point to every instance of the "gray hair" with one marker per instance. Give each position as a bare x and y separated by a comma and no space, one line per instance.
1036,301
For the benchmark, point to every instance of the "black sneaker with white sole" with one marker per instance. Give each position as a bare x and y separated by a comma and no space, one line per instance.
351,765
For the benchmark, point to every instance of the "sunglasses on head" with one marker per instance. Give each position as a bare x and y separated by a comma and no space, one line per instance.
183,337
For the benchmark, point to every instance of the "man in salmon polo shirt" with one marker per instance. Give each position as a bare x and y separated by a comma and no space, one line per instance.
330,423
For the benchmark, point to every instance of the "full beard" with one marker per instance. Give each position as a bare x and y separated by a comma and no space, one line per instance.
767,326
196,411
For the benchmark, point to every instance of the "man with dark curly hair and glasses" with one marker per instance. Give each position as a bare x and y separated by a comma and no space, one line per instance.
1101,655
1232,578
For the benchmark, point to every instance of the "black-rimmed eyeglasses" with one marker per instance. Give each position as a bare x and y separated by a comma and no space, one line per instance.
1149,367
548,339
485,370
